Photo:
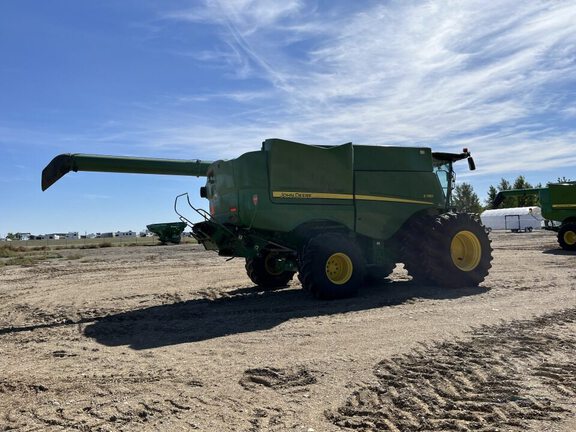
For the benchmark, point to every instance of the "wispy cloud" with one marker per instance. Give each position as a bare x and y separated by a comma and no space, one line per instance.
496,75
248,16
236,96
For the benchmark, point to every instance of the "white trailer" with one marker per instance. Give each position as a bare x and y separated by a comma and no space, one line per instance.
517,219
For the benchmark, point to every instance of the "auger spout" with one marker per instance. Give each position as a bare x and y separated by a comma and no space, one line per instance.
64,163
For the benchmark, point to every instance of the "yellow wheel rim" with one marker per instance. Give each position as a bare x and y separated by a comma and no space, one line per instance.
570,238
466,251
339,268
271,265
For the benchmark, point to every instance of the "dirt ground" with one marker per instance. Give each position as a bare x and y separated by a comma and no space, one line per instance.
175,338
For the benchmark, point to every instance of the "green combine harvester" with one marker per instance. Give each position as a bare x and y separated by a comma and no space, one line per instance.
337,215
558,204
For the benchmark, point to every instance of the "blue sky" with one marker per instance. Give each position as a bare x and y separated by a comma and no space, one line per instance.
212,79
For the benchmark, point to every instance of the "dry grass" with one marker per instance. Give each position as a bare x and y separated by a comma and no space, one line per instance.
29,253
23,256
7,251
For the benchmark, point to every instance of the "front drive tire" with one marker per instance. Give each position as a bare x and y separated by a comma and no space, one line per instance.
460,253
332,266
567,236
261,270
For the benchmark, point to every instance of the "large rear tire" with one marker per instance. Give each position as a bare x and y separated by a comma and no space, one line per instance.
332,266
567,236
461,253
263,271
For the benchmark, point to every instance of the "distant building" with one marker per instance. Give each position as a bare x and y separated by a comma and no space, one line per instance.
72,236
124,234
53,236
23,236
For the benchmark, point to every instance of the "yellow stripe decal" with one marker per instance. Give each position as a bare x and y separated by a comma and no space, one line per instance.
564,206
318,195
391,199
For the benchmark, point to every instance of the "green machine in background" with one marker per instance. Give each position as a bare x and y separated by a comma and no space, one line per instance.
337,215
558,204
168,232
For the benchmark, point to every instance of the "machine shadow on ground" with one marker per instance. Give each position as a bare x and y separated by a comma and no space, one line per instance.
559,252
247,310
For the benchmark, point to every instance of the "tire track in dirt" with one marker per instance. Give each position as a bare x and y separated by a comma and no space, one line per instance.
287,381
276,379
133,400
499,379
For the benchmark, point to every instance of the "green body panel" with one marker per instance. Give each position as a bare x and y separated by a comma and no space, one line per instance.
376,158
234,184
405,193
295,168
287,185
562,201
557,201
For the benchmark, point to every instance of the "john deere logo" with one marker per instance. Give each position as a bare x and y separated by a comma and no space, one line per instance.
310,195
299,195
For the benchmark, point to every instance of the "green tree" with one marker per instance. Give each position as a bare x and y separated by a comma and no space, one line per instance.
504,185
492,192
508,201
524,201
465,199
521,183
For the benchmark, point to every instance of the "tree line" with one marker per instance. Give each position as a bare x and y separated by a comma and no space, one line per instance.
464,199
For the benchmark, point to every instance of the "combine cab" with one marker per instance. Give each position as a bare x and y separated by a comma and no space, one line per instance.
337,215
